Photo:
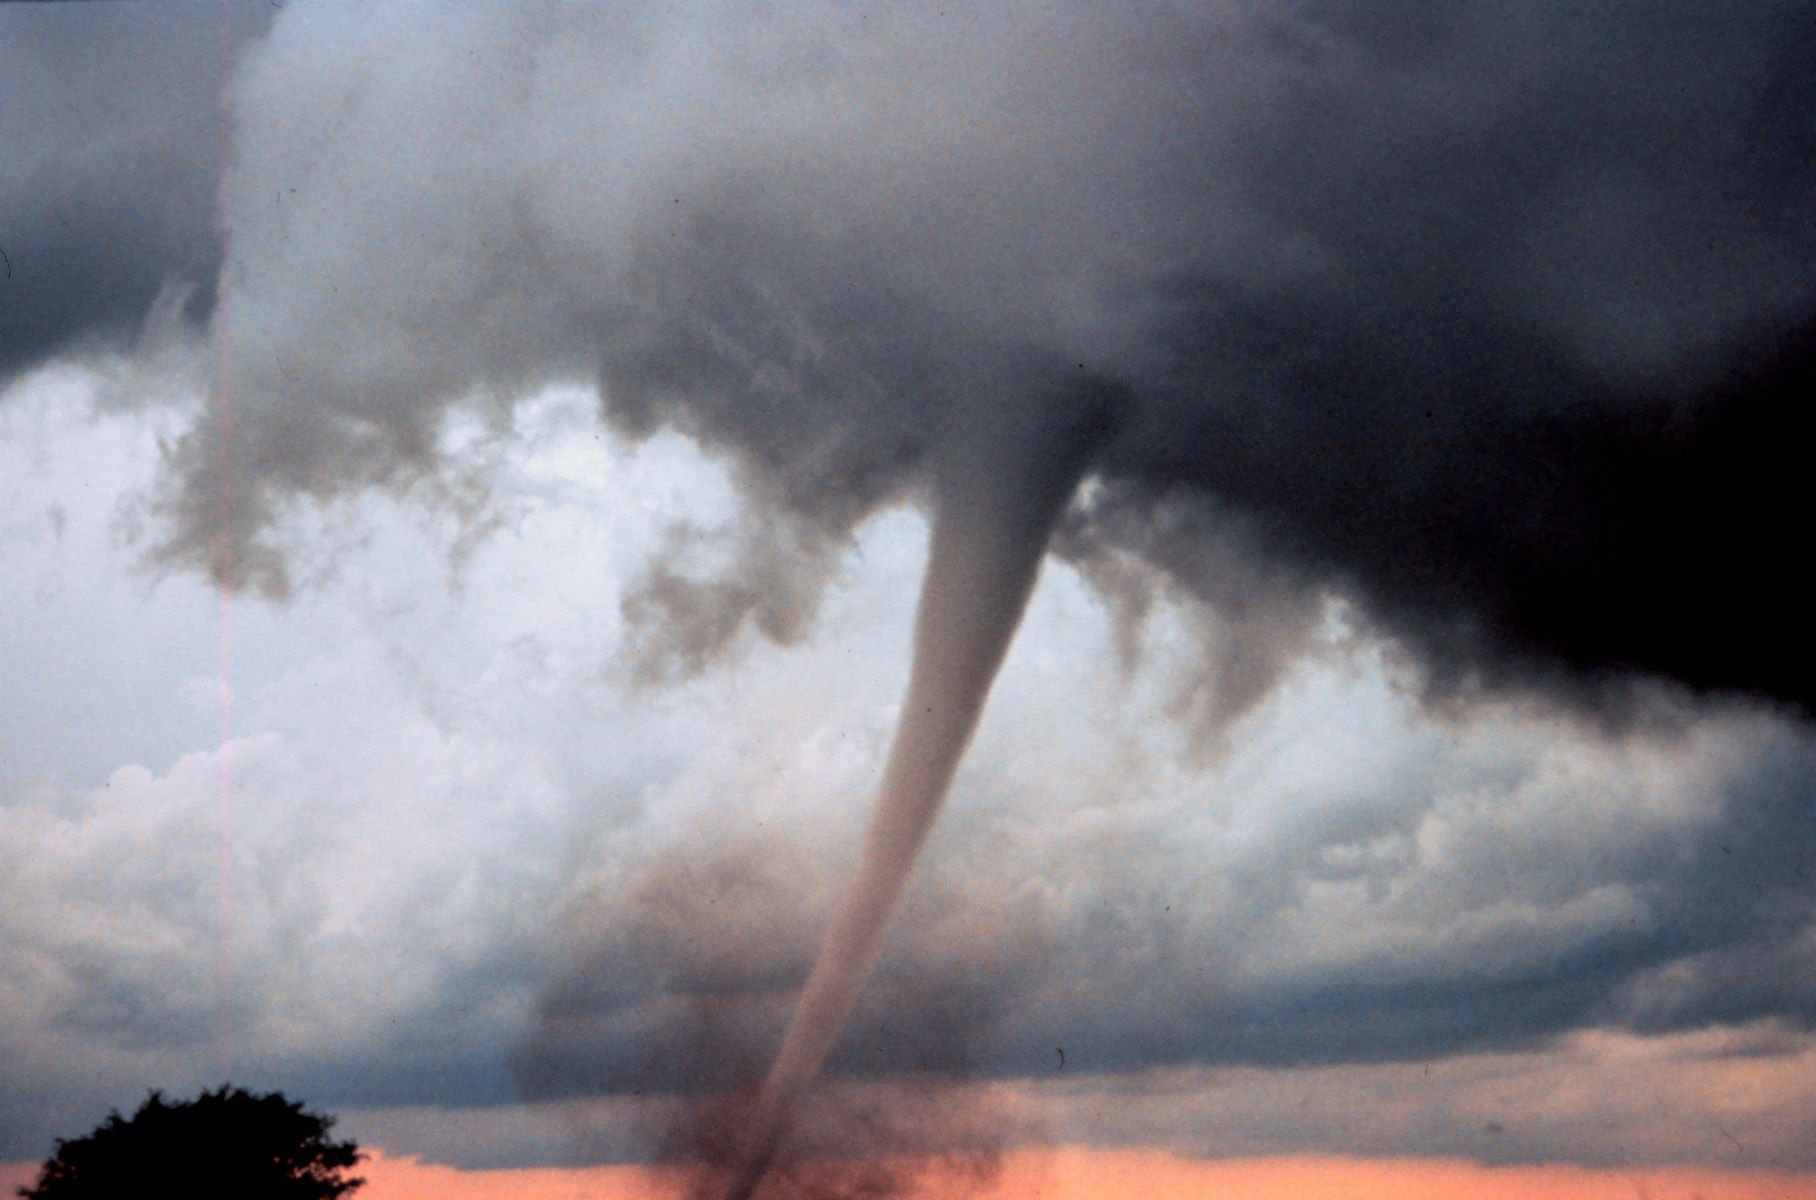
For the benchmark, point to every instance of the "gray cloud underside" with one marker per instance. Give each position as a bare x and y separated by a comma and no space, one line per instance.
1492,320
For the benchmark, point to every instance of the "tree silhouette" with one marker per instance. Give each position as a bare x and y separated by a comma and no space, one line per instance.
228,1142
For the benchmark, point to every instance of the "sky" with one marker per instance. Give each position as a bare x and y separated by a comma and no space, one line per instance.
466,477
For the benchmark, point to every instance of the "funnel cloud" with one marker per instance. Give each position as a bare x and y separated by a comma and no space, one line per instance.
989,535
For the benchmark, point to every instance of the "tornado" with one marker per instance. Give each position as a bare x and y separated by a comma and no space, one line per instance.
998,496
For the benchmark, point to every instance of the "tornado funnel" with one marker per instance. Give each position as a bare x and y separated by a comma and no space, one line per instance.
996,507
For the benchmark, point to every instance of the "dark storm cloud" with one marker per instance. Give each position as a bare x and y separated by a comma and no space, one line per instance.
111,130
1494,320
1542,407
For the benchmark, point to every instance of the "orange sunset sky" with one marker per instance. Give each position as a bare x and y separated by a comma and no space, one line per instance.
1136,1175
1076,1174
